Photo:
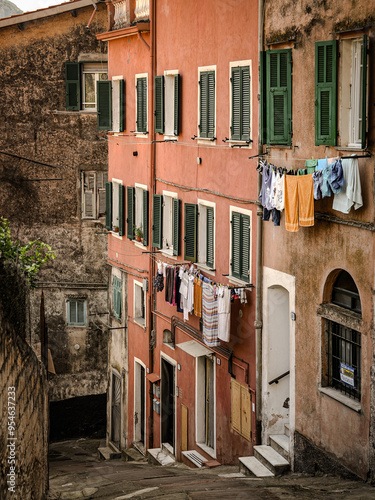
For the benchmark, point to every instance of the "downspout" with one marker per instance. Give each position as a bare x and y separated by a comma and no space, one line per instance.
258,301
151,319
93,14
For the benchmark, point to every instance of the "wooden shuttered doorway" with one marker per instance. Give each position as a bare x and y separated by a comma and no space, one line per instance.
240,409
326,93
279,96
240,127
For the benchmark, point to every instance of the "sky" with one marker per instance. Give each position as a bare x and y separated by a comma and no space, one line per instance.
27,5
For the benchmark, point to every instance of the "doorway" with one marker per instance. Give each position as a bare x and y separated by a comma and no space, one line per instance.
139,405
116,411
167,404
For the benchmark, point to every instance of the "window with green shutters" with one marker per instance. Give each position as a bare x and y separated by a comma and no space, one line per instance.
167,104
206,234
190,238
326,93
117,297
141,105
207,104
81,84
279,96
240,84
157,220
240,251
118,105
93,194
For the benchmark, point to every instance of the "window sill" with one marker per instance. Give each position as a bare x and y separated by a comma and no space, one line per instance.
236,281
78,112
205,268
141,135
76,325
243,144
206,140
279,146
138,244
115,235
341,398
170,137
168,253
140,322
207,449
171,346
350,148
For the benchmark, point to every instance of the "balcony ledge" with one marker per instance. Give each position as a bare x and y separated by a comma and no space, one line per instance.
139,27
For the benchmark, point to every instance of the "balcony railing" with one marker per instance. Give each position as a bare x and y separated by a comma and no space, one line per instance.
142,10
121,18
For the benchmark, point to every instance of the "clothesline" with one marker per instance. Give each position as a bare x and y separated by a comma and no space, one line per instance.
308,159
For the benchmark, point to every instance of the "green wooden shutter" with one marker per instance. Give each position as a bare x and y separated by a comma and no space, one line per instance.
103,91
236,245
263,100
177,86
130,198
122,105
236,104
207,104
117,297
245,247
73,86
159,104
141,105
325,93
108,206
203,92
157,220
121,210
176,227
279,96
211,104
240,129
145,217
245,103
210,251
191,214
364,90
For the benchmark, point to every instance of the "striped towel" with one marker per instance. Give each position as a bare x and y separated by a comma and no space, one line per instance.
209,316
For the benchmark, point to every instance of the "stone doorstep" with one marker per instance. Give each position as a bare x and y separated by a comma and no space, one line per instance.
276,463
250,466
157,456
107,453
133,455
280,443
193,459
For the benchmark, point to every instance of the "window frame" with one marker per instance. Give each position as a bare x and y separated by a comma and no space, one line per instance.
167,218
116,209
76,301
118,104
96,79
202,138
97,214
116,301
202,262
76,85
242,211
140,320
138,132
233,65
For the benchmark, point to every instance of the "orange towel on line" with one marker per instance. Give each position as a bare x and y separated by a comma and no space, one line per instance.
306,200
291,203
198,298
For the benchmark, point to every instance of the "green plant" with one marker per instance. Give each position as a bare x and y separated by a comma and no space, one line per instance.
138,232
29,257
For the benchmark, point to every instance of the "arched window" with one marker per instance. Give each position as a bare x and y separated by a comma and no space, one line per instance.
344,342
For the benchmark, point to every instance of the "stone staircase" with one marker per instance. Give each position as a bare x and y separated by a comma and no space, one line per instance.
160,456
268,461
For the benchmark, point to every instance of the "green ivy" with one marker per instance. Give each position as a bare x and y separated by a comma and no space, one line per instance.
30,258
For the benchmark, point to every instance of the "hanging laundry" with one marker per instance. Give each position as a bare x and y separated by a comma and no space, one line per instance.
223,309
159,282
198,297
321,164
326,188
169,286
317,184
190,297
351,195
306,200
165,269
265,192
243,297
177,288
291,203
273,188
209,316
337,177
311,166
275,216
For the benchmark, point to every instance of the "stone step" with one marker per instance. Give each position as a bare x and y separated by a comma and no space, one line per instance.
157,456
106,453
193,459
287,430
276,463
250,466
133,455
280,443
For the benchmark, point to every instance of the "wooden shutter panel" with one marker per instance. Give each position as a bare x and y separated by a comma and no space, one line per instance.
191,213
236,245
103,90
177,87
73,86
364,91
145,217
325,93
130,195
203,92
176,227
279,96
245,247
236,104
263,99
210,251
108,206
122,105
141,105
159,104
157,220
235,406
121,210
245,103
211,104
245,413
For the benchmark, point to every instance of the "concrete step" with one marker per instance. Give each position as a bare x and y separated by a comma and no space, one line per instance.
250,466
276,463
157,456
106,453
287,430
193,459
280,443
133,455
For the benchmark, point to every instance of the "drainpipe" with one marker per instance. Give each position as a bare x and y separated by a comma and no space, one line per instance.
151,319
258,303
93,14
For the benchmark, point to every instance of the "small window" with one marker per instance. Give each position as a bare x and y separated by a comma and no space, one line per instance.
141,104
240,103
207,104
240,245
117,297
91,74
137,213
345,292
206,234
93,194
81,84
166,223
167,97
139,304
76,312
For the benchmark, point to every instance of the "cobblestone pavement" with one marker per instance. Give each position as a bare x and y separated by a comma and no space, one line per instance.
76,472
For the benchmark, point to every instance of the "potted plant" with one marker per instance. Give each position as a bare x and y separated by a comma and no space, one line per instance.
116,229
138,233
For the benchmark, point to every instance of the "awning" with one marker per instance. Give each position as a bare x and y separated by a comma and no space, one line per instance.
195,349
152,377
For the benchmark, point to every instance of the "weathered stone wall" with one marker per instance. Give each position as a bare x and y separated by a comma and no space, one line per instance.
36,125
21,372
